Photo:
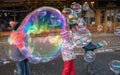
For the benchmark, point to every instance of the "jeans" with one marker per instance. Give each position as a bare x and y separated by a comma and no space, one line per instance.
23,67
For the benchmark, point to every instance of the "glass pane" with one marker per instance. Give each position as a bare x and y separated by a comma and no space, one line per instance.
118,16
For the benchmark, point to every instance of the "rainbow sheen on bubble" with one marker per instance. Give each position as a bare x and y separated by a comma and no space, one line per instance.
43,19
17,39
45,22
82,37
48,47
76,7
18,48
67,11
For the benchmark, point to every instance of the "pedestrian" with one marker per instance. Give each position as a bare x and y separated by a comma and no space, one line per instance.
72,21
68,54
92,47
21,61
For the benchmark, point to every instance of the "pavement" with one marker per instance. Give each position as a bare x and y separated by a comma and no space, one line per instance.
99,67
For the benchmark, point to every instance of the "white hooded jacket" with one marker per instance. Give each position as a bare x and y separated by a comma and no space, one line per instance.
67,50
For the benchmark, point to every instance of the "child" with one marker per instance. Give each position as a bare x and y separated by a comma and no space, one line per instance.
15,55
92,47
89,54
67,53
20,51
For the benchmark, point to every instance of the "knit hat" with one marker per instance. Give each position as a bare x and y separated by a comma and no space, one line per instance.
12,23
64,34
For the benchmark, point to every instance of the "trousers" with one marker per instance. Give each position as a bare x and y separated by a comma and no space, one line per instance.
68,68
23,67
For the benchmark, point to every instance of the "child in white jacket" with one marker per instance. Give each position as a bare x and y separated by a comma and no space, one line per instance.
68,54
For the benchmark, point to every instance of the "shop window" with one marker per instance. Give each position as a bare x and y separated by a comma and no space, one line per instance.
118,16
89,17
110,15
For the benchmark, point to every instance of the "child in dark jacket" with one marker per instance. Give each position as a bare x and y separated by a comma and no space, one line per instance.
92,47
89,54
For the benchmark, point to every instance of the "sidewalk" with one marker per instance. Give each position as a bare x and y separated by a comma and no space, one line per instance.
99,67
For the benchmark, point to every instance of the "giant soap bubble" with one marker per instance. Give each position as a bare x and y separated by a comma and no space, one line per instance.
45,22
